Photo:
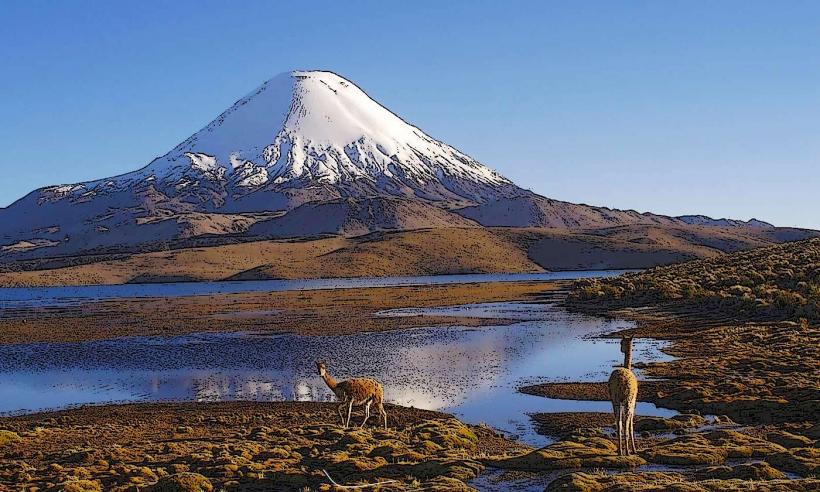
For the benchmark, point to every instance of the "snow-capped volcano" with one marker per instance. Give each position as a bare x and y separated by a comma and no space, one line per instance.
306,153
301,129
319,126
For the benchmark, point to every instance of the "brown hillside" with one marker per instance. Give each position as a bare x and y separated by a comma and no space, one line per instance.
418,252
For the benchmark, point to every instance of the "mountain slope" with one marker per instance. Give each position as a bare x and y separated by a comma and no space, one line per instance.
299,138
297,130
530,210
352,217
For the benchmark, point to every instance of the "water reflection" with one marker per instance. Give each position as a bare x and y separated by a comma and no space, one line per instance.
472,372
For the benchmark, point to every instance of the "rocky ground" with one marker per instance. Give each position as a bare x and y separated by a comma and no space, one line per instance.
239,446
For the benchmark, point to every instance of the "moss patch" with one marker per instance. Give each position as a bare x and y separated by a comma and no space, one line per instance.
803,461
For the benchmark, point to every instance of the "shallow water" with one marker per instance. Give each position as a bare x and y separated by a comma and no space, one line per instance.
51,296
471,372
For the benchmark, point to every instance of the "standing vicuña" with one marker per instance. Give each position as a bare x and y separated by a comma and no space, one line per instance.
623,391
355,392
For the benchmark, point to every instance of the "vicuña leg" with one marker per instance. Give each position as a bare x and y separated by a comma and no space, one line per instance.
380,407
624,430
339,410
616,409
349,413
631,429
366,413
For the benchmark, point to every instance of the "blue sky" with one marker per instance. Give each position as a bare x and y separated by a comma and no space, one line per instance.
670,107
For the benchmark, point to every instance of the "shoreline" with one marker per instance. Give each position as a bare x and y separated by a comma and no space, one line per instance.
225,442
460,277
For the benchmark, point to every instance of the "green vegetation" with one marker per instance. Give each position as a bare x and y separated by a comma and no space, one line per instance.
778,282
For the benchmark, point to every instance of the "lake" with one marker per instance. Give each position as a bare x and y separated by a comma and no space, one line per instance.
47,296
470,372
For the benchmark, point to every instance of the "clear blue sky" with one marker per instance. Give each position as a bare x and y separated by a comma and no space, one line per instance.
671,107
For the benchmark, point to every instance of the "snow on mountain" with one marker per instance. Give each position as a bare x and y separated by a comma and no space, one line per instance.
306,128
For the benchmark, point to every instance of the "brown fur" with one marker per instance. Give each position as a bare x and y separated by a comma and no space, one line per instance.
623,391
355,392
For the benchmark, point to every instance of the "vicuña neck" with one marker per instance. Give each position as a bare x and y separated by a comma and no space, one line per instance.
628,360
331,383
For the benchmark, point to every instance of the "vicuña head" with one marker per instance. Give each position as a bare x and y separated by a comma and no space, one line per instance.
626,349
354,392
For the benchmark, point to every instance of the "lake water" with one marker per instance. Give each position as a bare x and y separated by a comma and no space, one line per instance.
471,372
50,296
